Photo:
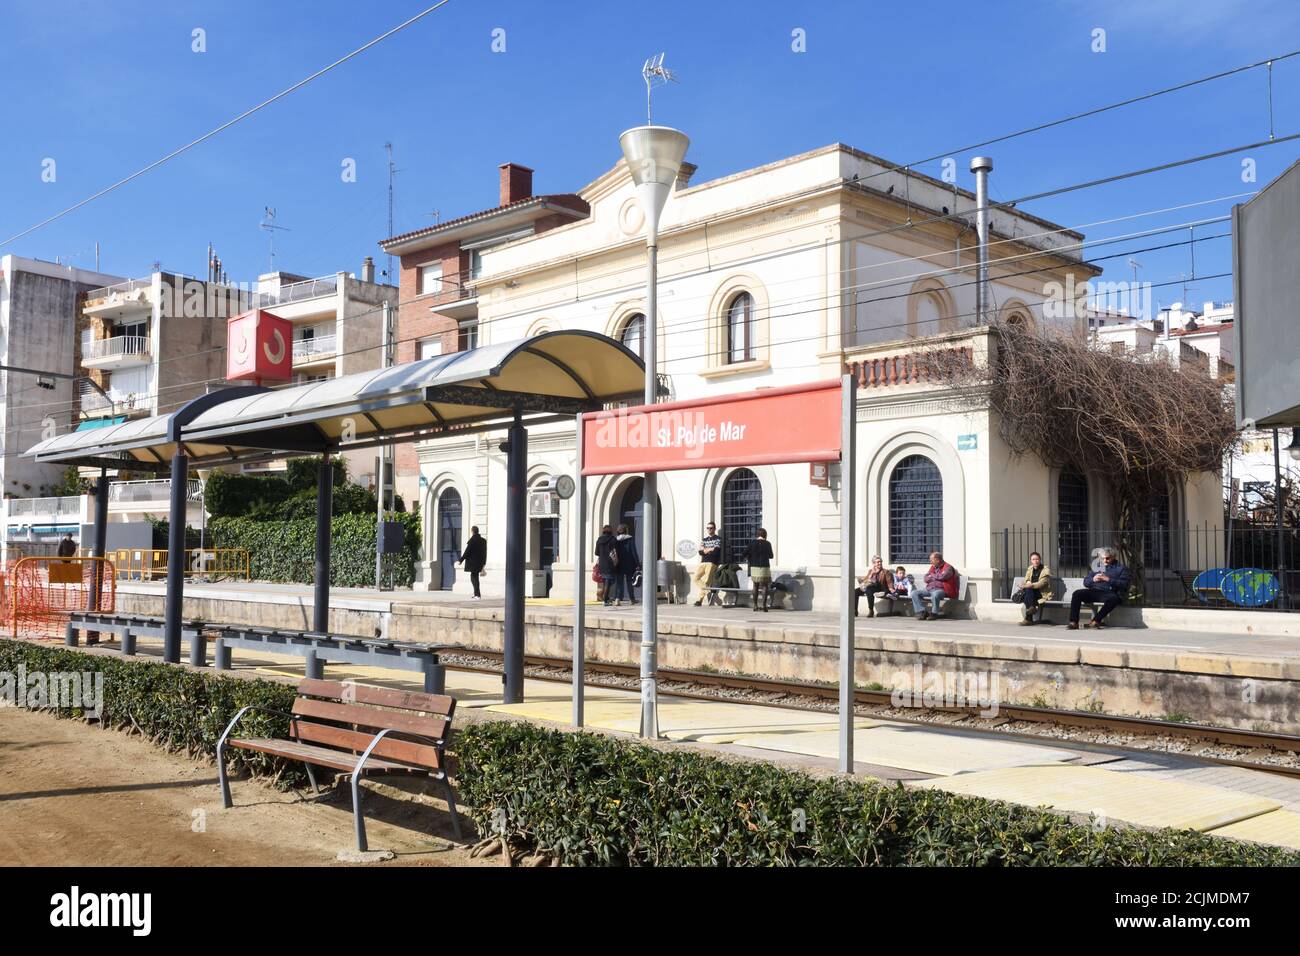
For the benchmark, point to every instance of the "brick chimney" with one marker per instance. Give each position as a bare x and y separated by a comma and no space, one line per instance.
516,183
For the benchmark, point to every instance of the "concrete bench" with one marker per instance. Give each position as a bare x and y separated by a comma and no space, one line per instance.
894,600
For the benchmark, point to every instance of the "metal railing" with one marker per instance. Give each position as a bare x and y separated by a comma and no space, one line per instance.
122,492
118,346
1243,567
307,289
312,347
147,564
121,288
43,507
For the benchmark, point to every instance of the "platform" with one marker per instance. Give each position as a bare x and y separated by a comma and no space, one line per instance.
1198,671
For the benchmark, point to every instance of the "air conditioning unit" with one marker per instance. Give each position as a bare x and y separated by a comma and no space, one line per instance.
543,504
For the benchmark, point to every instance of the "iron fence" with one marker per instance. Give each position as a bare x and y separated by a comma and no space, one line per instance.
1241,567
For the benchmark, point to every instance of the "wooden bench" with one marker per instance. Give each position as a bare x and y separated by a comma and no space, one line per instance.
360,731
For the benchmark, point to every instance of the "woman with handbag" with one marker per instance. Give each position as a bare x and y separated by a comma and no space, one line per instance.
606,564
1035,589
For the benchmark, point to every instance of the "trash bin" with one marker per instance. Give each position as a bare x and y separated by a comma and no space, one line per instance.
667,574
536,581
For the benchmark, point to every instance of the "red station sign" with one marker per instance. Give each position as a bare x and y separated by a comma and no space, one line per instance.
259,348
768,426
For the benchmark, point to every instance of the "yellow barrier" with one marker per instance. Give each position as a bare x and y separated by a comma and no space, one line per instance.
146,564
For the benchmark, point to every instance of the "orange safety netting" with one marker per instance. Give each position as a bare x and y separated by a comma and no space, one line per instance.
41,593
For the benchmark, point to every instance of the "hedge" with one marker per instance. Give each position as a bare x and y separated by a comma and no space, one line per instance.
595,800
181,710
285,550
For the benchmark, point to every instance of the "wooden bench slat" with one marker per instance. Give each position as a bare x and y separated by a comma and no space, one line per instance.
317,756
424,756
372,717
379,696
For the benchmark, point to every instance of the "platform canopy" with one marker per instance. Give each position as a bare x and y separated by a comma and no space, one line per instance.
555,374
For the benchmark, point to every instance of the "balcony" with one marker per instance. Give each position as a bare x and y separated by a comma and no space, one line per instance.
314,349
299,291
152,491
94,405
117,301
456,296
120,351
919,362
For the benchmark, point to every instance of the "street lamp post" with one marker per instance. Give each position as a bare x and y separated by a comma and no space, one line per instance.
654,157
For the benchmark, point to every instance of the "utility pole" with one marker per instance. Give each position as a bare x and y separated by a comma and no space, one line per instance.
385,360
392,172
981,166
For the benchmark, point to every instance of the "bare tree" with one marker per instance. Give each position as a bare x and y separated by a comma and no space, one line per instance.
1137,419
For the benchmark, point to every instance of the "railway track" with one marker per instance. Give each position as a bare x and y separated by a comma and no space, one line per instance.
1251,740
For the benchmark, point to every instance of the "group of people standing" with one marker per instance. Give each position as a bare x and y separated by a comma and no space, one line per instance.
618,566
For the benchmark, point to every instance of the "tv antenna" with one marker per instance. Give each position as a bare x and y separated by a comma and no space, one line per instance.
268,223
655,74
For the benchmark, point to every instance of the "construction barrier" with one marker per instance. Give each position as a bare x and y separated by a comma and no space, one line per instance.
43,592
146,564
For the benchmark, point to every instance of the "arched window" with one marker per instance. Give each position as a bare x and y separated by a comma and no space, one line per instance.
740,328
1072,521
742,513
915,510
633,333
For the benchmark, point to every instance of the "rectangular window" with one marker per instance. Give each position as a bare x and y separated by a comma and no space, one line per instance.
430,348
475,263
467,337
431,278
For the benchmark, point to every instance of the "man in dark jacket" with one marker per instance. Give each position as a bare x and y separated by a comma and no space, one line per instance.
629,562
474,557
67,547
1106,587
607,565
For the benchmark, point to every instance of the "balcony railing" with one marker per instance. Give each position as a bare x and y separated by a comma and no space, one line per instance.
119,346
122,288
307,289
311,348
67,505
126,492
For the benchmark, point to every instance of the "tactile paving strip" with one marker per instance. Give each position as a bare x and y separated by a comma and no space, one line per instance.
1131,797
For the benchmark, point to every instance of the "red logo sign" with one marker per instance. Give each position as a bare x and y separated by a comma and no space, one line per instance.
766,427
259,348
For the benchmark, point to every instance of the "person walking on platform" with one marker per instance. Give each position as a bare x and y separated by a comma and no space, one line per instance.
629,562
1106,587
474,557
710,558
607,565
760,569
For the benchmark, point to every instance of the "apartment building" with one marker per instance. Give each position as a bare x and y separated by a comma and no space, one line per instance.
440,267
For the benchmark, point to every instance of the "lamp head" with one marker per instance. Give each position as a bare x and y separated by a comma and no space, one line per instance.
654,157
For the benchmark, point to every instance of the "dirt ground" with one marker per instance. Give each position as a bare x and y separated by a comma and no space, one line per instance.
74,795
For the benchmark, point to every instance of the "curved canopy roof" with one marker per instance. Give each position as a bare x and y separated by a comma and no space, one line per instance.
555,373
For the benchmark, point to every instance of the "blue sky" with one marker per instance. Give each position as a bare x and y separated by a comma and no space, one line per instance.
104,89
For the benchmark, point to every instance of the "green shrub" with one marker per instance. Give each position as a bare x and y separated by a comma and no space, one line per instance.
594,800
285,550
181,710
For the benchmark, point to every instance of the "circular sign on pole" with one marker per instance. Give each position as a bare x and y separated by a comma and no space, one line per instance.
686,548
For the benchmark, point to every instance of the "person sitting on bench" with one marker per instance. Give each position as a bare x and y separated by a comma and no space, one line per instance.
760,568
877,580
1035,589
940,586
1106,587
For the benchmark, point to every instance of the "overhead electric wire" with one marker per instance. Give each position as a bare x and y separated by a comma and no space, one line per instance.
226,125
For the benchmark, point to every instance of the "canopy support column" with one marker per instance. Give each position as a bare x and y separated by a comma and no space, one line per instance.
324,511
99,545
175,560
579,583
848,532
516,543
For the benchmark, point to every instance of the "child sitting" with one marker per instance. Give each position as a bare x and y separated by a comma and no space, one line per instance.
904,583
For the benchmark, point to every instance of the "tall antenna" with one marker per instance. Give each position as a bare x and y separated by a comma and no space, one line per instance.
392,171
268,223
655,74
